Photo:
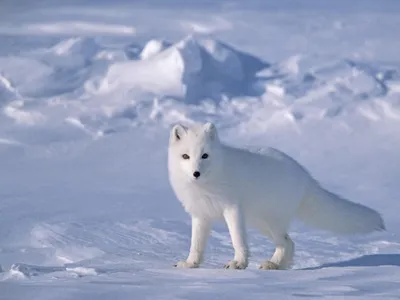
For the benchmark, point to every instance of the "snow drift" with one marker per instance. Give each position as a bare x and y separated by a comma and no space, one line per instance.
192,69
107,88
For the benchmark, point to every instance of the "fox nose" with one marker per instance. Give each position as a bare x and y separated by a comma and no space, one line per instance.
196,174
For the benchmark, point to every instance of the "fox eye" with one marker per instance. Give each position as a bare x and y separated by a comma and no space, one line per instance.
204,156
185,156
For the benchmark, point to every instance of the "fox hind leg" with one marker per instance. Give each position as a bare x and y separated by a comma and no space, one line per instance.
284,252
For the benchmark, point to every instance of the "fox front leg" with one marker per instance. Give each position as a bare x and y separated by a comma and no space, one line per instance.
200,231
235,222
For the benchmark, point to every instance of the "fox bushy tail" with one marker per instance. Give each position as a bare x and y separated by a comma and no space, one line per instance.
325,210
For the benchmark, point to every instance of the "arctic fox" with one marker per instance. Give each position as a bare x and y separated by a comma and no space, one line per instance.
262,190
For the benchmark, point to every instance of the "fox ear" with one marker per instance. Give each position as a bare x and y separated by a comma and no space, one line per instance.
178,131
211,130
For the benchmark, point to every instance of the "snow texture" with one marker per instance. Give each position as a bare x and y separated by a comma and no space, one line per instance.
89,91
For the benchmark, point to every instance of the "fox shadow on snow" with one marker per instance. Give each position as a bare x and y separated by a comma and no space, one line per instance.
371,260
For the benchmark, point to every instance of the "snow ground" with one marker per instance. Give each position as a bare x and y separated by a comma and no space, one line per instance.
86,211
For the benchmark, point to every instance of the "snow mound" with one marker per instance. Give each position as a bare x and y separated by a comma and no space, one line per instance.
46,76
82,271
300,78
7,91
71,53
48,72
192,69
153,47
317,87
76,46
21,271
15,110
27,75
130,84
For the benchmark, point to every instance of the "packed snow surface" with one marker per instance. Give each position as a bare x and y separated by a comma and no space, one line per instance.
89,91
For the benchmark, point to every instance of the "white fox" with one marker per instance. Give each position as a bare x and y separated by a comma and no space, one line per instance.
262,190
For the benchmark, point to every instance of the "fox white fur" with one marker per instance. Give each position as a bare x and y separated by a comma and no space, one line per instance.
266,191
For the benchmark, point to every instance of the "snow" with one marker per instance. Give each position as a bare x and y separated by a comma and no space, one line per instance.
191,70
89,90
153,47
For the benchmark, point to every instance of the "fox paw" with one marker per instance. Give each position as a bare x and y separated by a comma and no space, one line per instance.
238,265
183,264
269,265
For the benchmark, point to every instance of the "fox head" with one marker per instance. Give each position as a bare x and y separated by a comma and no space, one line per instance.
193,151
